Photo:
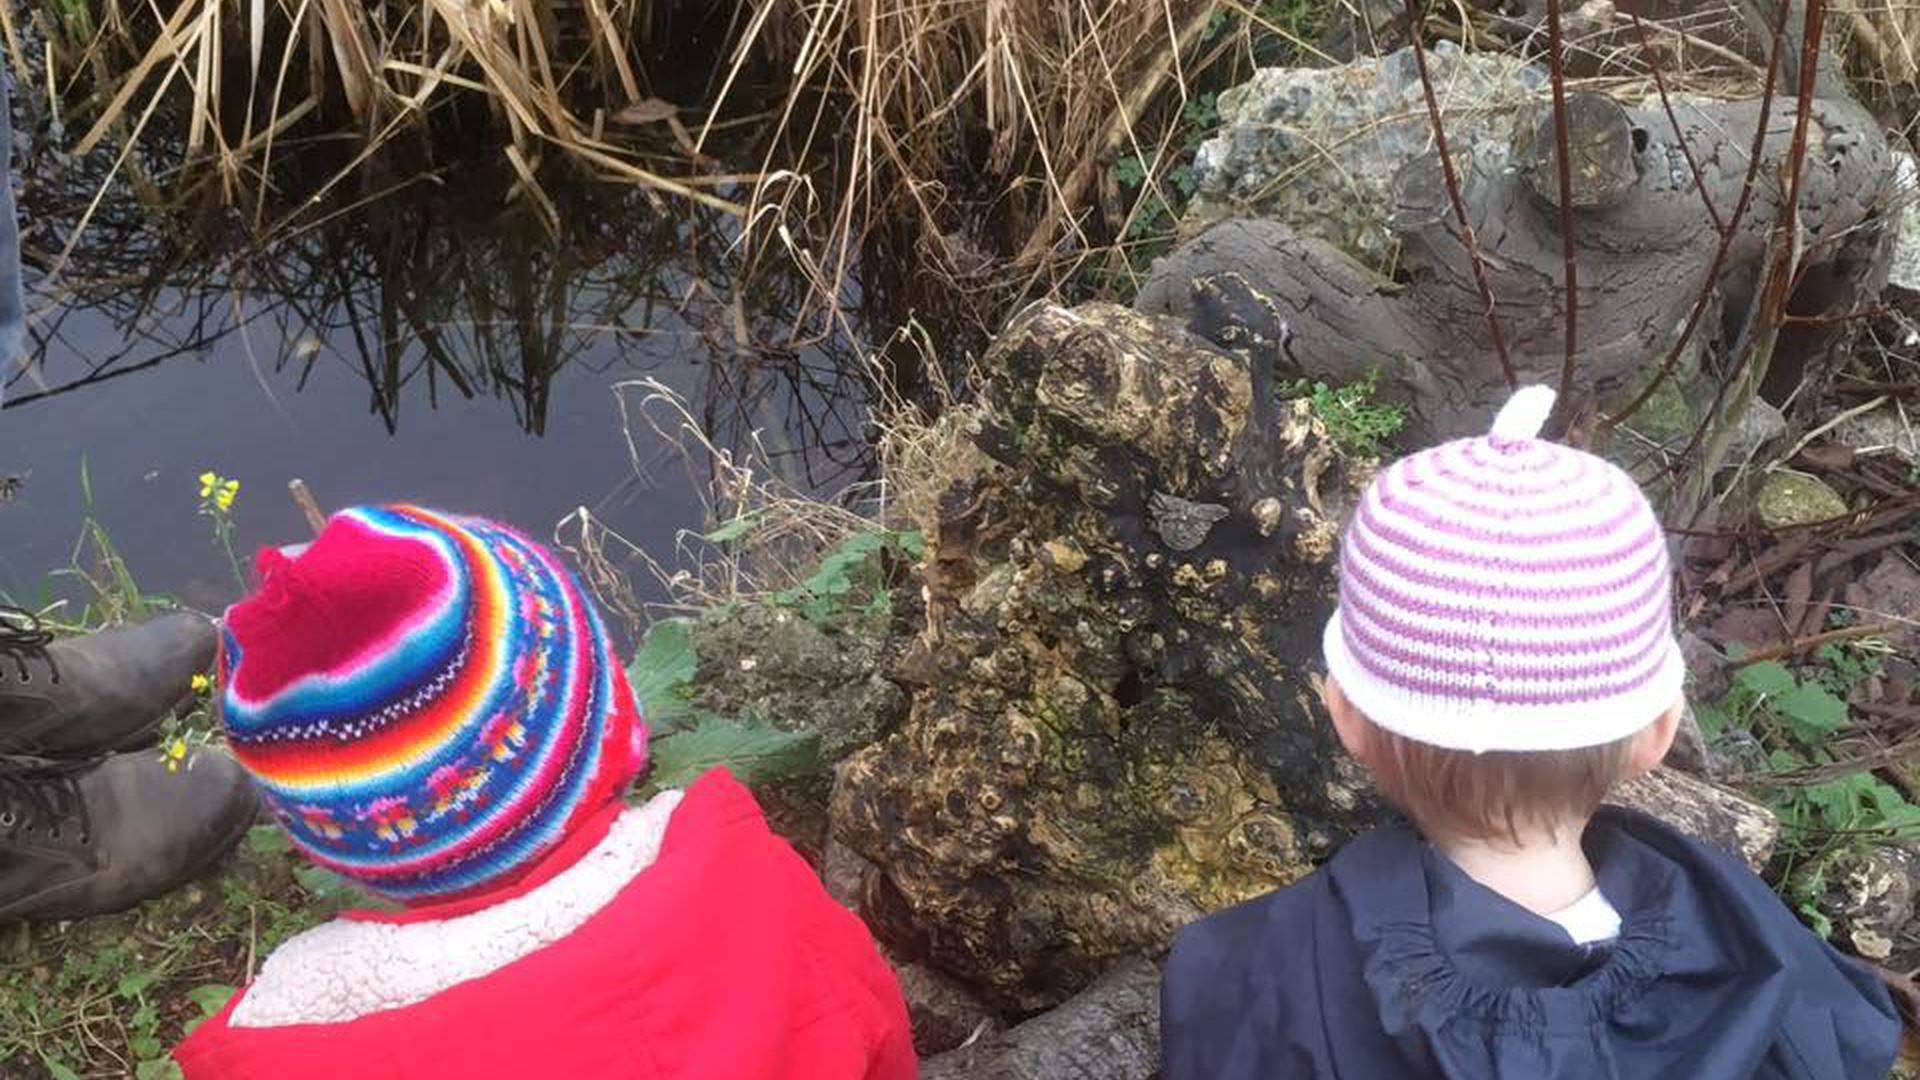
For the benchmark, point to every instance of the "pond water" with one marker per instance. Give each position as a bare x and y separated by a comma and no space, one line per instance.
437,347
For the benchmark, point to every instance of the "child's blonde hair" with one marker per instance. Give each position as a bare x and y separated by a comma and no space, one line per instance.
1498,795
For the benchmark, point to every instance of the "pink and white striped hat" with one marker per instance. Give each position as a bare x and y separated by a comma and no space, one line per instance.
1506,593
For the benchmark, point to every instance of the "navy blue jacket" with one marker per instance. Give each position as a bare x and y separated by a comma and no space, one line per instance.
1390,961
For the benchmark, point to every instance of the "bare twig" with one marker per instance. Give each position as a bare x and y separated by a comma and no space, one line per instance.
309,508
1808,644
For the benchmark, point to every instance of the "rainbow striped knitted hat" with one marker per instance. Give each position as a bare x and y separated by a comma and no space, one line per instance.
1506,593
428,703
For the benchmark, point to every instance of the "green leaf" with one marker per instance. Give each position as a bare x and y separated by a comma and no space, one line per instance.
1811,710
1129,171
211,997
267,840
754,754
914,544
133,984
660,672
1816,918
323,884
1712,720
1768,677
733,530
160,1069
57,1069
1838,801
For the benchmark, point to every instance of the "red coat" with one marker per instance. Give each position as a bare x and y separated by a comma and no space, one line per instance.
724,958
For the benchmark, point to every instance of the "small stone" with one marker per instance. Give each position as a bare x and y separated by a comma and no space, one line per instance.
1266,515
1890,592
1787,499
1871,944
1689,752
1762,423
1707,667
1880,431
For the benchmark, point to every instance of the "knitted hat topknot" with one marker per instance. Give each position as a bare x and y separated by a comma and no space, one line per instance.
428,703
1506,593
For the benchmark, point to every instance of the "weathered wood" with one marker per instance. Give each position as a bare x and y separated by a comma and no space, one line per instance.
1109,1031
1645,252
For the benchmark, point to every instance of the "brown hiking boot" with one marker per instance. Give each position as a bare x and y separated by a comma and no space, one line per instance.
84,696
80,839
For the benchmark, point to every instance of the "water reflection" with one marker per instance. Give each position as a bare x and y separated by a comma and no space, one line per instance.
433,340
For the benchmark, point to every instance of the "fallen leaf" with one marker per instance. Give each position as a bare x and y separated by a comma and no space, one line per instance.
646,111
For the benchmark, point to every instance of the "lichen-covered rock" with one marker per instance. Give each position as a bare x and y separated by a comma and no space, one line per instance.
1903,270
1319,147
1787,499
1704,811
1111,1031
1113,726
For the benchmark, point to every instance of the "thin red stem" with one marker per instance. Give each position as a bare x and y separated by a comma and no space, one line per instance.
1686,148
1415,23
1704,299
1563,158
1776,284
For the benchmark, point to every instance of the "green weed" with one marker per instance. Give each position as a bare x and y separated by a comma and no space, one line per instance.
852,577
1158,204
1793,722
684,740
1356,420
111,996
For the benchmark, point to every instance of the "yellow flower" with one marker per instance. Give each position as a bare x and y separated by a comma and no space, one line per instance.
223,498
202,684
176,753
207,482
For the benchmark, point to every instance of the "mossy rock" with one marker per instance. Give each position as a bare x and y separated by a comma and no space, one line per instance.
1787,499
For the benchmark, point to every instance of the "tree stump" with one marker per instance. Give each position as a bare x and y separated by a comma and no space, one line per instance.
1114,725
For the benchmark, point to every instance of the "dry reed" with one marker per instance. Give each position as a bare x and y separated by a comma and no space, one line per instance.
864,109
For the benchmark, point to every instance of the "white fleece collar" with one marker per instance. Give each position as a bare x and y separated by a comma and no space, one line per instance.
345,969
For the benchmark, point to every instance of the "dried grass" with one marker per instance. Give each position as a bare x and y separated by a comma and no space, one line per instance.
881,109
763,534
1880,42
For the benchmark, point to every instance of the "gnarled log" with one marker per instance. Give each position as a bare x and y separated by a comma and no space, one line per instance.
1395,293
